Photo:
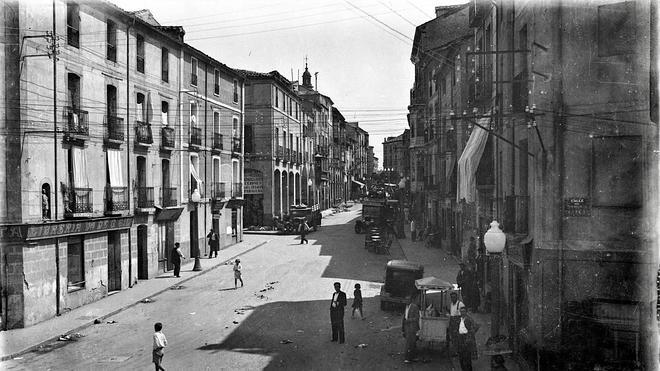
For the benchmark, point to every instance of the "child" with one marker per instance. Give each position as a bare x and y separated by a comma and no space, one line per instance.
357,301
160,342
237,273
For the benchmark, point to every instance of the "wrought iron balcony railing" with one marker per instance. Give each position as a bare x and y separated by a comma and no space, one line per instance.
219,190
78,123
116,198
143,133
217,141
168,197
115,128
236,145
167,137
196,136
237,190
145,197
79,201
280,152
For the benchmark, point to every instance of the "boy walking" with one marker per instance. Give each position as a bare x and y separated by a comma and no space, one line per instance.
303,228
160,342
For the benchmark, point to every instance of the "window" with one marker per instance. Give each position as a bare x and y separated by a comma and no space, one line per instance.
73,86
277,136
235,91
111,40
164,113
277,98
165,64
195,180
73,24
520,86
216,82
248,139
111,101
284,98
193,72
193,114
140,53
139,107
235,129
616,29
75,261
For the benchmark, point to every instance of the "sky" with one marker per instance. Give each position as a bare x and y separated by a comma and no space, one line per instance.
360,49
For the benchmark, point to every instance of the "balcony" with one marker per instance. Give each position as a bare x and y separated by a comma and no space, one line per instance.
516,210
280,153
115,129
78,201
78,123
218,142
219,190
237,190
168,197
287,155
143,134
196,136
145,197
116,199
236,146
167,138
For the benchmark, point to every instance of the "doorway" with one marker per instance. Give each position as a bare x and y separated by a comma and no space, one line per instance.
165,248
143,267
114,261
194,244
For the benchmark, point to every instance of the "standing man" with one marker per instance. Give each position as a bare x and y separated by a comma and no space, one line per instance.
237,273
337,313
454,319
214,241
413,230
466,341
410,326
176,257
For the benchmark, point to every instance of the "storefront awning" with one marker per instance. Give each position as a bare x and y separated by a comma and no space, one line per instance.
358,183
168,215
469,161
234,203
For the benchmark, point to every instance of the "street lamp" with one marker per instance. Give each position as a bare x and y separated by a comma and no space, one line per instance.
495,240
195,197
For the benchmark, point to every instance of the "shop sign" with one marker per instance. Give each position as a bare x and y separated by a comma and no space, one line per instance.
13,232
577,206
253,183
51,230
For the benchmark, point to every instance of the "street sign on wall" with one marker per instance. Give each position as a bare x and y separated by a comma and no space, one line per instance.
253,182
577,206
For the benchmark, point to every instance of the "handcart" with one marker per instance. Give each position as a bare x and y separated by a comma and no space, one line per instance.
434,297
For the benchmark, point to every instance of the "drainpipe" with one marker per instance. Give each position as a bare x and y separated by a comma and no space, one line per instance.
128,146
206,157
55,215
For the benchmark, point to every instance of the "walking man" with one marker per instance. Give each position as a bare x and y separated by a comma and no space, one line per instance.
214,241
303,228
160,342
176,257
454,319
410,327
337,313
466,341
237,273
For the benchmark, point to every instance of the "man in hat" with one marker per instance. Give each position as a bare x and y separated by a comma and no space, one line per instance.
237,273
176,257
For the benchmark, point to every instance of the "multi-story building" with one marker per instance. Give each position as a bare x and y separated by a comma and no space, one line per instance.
555,127
93,145
318,108
279,150
395,155
211,110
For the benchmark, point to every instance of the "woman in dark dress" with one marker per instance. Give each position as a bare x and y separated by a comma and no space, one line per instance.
357,301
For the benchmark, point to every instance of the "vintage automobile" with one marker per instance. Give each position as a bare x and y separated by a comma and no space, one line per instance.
310,214
373,213
400,277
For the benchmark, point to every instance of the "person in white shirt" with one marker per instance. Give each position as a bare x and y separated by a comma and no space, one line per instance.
160,342
466,343
237,273
454,318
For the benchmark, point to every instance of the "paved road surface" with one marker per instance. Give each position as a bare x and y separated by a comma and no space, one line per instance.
211,326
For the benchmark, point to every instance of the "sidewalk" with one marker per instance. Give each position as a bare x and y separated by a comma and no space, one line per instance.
440,264
13,343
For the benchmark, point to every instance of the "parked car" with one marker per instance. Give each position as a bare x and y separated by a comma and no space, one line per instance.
400,276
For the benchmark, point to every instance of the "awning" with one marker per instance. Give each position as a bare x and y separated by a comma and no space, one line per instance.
167,215
358,183
234,203
469,161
